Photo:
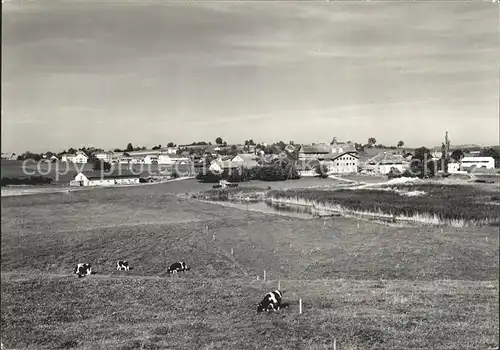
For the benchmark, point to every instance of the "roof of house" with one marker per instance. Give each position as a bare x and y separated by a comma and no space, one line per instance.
351,153
194,146
476,159
314,149
384,158
247,156
144,153
94,175
225,164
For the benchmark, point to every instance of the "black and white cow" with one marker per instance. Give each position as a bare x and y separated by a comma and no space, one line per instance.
178,267
271,302
83,269
122,265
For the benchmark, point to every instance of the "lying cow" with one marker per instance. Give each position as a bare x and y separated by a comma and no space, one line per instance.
83,269
178,267
122,265
271,302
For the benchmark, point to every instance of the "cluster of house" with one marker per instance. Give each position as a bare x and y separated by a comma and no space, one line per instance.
166,155
337,157
383,162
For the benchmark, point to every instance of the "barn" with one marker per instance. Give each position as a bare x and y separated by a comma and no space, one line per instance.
97,178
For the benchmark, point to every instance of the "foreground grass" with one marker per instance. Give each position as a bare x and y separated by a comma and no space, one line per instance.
152,233
129,313
370,286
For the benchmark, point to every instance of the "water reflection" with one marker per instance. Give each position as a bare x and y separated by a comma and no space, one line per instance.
297,211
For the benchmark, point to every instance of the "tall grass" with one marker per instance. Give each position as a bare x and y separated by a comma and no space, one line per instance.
455,205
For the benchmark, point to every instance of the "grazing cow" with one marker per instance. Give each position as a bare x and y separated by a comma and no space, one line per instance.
122,265
178,267
272,301
83,269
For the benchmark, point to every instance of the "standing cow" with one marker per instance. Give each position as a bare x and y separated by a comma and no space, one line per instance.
271,302
122,265
83,269
178,267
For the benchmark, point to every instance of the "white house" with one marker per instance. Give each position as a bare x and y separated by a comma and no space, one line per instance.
66,157
169,150
165,158
245,160
478,162
344,163
453,167
137,160
215,167
125,160
383,162
314,152
105,156
9,156
150,159
218,166
385,165
80,157
102,179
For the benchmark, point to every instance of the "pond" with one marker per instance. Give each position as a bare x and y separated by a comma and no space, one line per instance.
296,211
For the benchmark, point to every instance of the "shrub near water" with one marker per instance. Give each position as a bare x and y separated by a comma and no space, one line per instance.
229,194
447,203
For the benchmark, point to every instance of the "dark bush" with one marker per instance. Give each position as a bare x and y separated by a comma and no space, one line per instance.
321,170
31,181
394,173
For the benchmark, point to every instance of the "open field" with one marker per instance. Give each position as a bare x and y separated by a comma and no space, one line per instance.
369,287
62,173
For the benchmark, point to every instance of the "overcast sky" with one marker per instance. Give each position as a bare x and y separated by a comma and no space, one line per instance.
104,74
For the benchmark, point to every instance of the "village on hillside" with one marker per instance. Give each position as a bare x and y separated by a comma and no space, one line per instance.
316,159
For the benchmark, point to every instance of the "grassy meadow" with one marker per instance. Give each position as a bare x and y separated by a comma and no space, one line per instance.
62,173
374,286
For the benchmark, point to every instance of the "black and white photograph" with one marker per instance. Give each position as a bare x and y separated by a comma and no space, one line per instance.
230,174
